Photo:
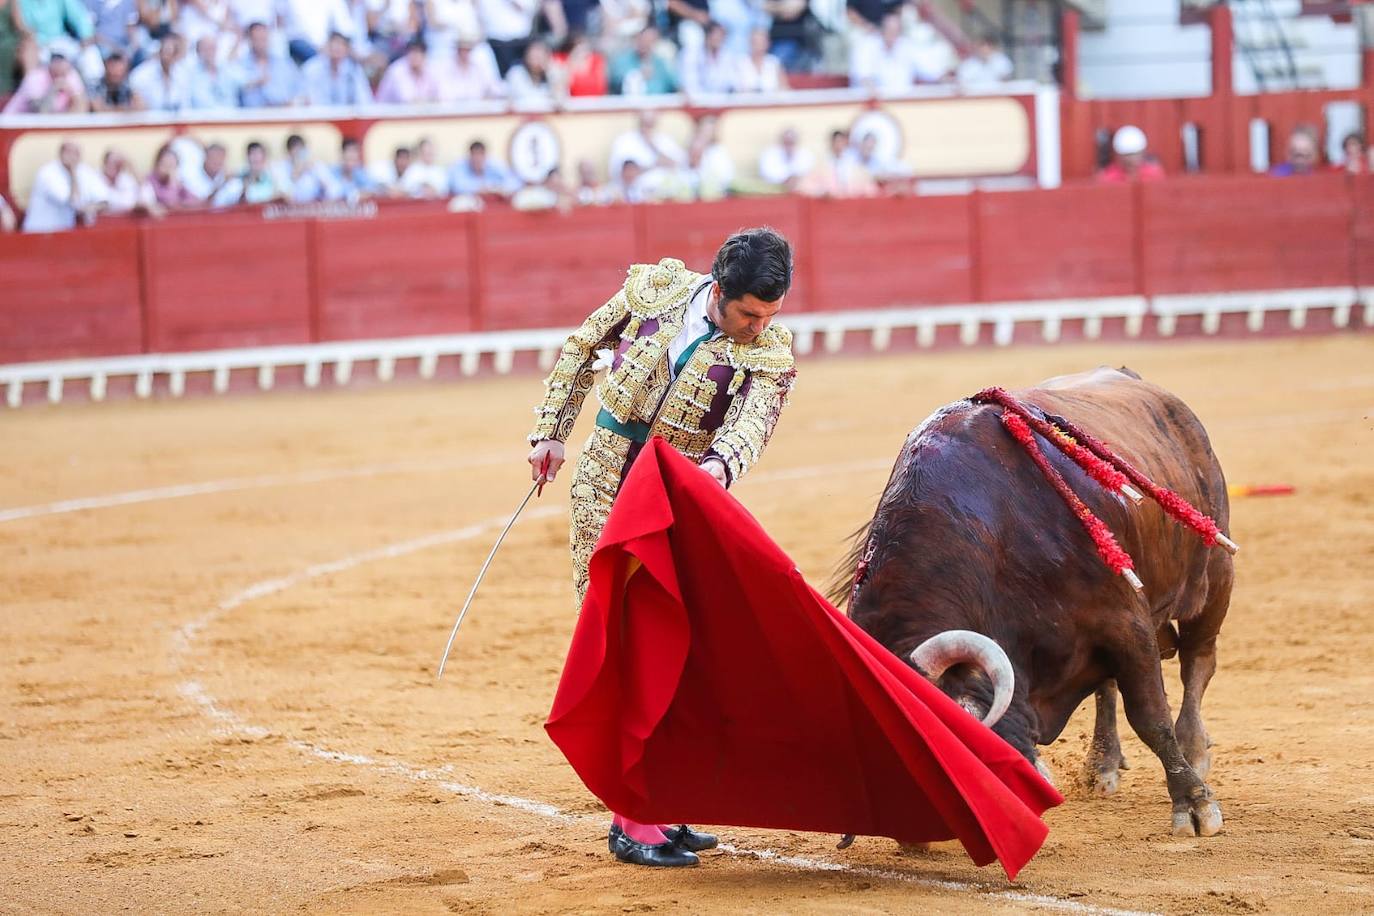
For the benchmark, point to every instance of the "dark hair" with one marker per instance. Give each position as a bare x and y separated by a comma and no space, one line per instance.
477,145
116,55
416,42
713,24
255,145
339,35
294,141
838,133
754,262
349,141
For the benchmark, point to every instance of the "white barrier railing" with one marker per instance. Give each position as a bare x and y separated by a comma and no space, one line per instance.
829,328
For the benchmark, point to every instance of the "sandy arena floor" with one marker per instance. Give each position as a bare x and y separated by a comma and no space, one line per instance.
224,698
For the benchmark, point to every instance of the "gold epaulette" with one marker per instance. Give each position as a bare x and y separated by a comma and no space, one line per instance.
652,289
770,352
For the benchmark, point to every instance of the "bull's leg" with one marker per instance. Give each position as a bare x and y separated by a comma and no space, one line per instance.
1197,663
1101,771
1195,810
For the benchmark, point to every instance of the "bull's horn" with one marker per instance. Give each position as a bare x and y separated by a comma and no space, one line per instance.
952,647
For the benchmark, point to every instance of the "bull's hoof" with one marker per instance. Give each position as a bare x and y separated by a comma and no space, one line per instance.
1201,818
1105,784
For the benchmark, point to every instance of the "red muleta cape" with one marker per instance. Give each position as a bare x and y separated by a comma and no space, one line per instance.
708,683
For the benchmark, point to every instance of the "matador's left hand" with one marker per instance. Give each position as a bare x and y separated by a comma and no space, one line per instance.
716,468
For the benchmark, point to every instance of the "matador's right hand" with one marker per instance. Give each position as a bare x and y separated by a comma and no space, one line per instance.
546,448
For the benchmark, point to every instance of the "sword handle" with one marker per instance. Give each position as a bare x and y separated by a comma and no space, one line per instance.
543,475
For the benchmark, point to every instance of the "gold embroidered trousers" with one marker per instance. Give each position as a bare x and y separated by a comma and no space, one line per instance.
596,480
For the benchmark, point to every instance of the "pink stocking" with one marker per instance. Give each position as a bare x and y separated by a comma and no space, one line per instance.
650,834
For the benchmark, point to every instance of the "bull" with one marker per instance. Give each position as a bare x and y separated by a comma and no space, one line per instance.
976,572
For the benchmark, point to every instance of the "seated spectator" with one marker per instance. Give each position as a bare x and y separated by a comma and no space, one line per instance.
480,174
531,80
508,25
113,25
472,76
621,21
641,69
1356,155
1131,162
65,192
113,92
425,178
54,89
164,182
888,61
786,163
392,25
841,175
300,177
162,81
352,181
709,67
389,175
646,146
583,66
124,193
334,77
759,71
739,18
410,80
1303,154
546,195
210,181
711,169
258,184
987,66
590,191
448,21
881,167
309,23
267,80
208,84
197,19
793,35
628,187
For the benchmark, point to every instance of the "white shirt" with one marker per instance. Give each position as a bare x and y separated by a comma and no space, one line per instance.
313,20
162,92
693,325
423,175
889,69
776,167
507,20
978,72
634,146
765,77
50,208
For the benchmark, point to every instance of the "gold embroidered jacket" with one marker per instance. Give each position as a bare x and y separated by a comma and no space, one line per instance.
725,401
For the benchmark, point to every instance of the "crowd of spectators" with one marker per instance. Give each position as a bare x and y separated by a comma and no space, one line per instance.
1131,159
645,165
65,56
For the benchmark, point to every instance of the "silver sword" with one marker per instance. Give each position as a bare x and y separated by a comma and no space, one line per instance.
536,487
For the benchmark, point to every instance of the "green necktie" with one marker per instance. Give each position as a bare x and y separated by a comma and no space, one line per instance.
692,347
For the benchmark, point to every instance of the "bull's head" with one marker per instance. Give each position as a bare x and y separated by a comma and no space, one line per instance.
942,651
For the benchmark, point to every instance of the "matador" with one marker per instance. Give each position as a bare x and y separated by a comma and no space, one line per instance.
695,359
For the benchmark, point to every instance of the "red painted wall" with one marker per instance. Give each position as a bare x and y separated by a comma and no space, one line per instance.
233,280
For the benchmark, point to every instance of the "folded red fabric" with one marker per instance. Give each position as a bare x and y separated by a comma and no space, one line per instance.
708,683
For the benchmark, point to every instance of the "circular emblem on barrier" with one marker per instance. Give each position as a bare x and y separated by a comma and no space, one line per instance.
885,130
534,151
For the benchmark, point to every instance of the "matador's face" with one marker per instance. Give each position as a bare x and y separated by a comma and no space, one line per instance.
743,319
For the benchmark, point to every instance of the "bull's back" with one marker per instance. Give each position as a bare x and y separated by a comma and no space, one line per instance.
1148,426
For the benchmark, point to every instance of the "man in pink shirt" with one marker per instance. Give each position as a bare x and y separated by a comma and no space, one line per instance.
54,89
1131,163
410,80
472,75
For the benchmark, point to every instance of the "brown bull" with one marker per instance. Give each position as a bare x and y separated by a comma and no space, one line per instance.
968,536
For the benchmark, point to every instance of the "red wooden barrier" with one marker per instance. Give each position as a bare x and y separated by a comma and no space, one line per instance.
550,269
210,285
69,294
891,251
394,276
1247,233
1075,242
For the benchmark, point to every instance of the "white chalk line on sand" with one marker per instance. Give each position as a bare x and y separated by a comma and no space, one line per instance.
233,484
231,722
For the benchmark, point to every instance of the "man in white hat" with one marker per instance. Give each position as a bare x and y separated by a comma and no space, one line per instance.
1131,162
